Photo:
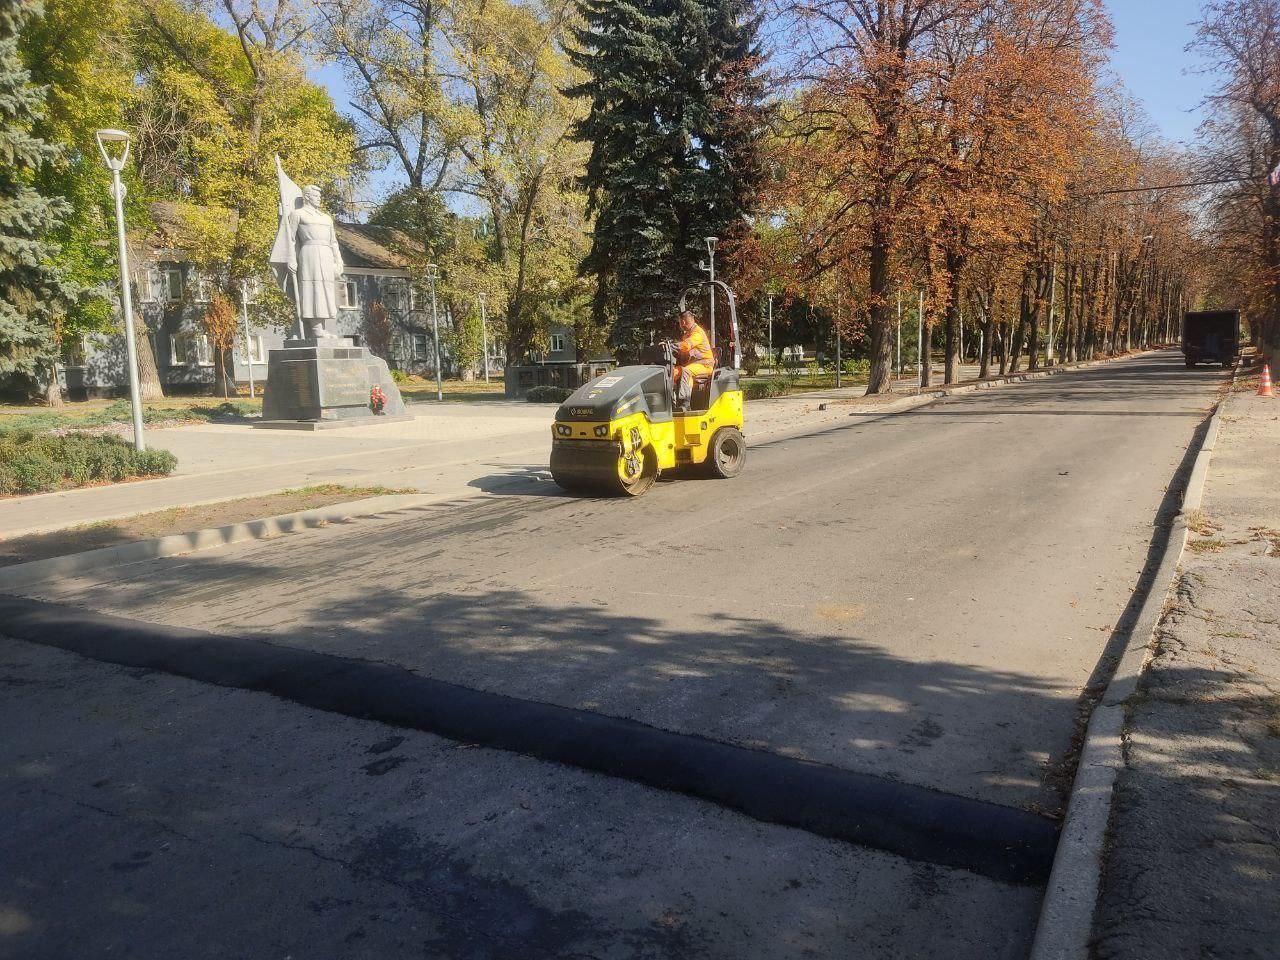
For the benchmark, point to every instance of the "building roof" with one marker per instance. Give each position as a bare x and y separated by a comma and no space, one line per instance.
363,246
384,248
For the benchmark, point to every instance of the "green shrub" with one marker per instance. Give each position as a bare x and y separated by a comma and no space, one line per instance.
857,368
772,387
38,463
548,395
400,377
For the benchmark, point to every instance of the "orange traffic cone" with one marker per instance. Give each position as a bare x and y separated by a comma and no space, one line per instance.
1265,389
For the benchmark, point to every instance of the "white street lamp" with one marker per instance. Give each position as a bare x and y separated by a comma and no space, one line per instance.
433,274
772,365
484,334
115,164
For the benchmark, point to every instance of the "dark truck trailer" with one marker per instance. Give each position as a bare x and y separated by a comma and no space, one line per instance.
1211,336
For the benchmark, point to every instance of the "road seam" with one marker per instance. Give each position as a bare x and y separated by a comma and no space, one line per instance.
1065,928
918,823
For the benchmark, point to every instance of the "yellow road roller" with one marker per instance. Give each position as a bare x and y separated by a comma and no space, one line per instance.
618,433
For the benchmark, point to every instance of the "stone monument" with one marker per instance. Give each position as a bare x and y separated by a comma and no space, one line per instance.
319,380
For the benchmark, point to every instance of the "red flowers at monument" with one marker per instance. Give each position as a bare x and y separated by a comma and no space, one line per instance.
377,399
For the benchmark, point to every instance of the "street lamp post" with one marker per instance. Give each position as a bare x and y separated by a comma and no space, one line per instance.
772,365
920,343
898,363
484,335
115,164
433,274
710,267
248,343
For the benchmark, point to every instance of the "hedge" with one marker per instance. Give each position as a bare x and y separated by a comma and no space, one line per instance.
37,463
548,395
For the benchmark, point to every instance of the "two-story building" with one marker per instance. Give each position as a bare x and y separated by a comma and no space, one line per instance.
380,297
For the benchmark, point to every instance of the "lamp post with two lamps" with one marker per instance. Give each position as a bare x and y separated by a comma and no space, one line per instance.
710,267
116,164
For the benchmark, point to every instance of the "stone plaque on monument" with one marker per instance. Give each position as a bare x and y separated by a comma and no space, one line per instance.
312,384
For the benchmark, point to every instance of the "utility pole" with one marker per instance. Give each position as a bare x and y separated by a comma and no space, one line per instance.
920,343
1053,305
433,274
898,364
773,366
484,336
115,165
710,267
838,357
248,343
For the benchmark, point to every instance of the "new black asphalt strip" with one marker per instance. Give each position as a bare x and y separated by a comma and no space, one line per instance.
995,841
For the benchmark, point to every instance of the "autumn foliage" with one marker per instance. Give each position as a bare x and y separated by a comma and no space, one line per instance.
960,148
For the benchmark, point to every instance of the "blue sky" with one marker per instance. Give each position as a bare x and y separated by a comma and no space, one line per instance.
1149,57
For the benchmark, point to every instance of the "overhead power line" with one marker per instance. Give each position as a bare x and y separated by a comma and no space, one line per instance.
1167,186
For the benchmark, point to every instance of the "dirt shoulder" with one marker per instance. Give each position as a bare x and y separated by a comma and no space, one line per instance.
1193,863
148,526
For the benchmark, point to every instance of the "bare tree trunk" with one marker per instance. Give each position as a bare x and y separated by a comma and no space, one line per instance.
1019,335
951,369
984,358
149,386
881,375
53,392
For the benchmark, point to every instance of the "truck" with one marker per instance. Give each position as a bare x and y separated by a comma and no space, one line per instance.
1211,336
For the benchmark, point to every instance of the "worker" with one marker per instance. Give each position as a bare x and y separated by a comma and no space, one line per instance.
694,358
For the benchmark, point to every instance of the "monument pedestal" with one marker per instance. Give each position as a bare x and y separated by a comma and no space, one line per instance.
322,384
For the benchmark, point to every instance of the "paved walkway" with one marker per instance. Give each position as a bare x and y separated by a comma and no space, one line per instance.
1193,867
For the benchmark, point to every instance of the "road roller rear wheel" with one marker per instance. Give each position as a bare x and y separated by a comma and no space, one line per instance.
728,453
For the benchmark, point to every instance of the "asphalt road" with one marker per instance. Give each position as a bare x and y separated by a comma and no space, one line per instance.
921,598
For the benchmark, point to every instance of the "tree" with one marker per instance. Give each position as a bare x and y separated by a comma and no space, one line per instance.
220,327
518,160
394,56
1241,142
78,53
33,291
226,91
674,126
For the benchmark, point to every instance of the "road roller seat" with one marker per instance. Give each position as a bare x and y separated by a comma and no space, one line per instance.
709,388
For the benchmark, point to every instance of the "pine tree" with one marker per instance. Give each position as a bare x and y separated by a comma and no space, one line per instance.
673,124
33,292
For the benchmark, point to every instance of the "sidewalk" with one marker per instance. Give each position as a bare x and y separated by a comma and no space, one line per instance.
1193,865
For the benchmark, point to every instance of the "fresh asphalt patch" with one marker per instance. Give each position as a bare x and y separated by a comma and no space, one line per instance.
995,841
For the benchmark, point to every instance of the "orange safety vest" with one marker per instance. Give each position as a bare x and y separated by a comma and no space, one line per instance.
696,354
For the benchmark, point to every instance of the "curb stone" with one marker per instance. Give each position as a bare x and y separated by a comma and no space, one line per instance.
26,574
1065,928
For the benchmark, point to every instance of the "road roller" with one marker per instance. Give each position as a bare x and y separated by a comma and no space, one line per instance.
618,433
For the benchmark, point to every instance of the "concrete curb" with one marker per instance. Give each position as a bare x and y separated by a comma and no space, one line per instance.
26,574
1065,928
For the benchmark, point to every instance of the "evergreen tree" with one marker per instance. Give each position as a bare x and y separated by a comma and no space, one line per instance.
32,290
675,104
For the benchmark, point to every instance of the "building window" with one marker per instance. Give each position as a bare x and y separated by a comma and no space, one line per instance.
204,289
348,295
257,350
421,346
413,297
147,282
171,284
391,298
190,349
557,343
